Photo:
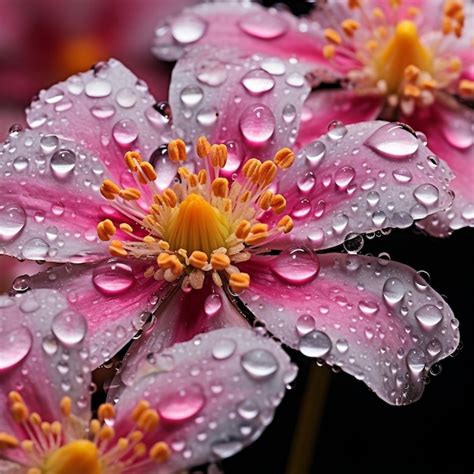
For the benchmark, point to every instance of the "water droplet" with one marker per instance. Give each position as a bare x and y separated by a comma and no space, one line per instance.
344,176
402,175
187,28
434,347
213,304
353,243
20,163
428,316
49,345
426,194
368,308
49,143
257,123
69,327
247,409
289,113
98,88
12,222
336,130
315,344
191,96
259,363
182,404
305,324
458,132
339,223
63,163
35,249
301,208
258,82
273,66
342,345
15,345
306,182
263,25
125,132
113,278
379,218
295,79
126,98
225,449
394,140
393,291
207,117
296,266
223,348
53,95
416,361
315,153
211,72
102,111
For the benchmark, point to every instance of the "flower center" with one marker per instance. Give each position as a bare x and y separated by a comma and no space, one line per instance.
96,451
403,49
76,457
203,223
196,225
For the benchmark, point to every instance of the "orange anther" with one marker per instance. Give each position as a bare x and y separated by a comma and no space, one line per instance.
203,147
220,261
284,158
332,36
160,452
177,150
148,170
278,203
220,187
242,230
218,155
198,259
285,224
239,282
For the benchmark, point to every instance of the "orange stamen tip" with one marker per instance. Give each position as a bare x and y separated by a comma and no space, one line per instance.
106,411
160,452
286,224
177,150
198,259
203,147
8,441
116,249
239,282
220,261
243,229
218,155
139,408
220,187
65,406
148,170
332,36
284,158
329,50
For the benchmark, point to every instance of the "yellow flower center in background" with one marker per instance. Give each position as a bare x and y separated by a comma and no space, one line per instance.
403,49
77,457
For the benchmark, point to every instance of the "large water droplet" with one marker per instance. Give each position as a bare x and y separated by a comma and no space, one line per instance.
393,291
289,113
225,449
394,140
402,175
49,143
263,25
12,222
336,130
315,344
125,132
426,194
306,182
223,348
53,95
258,82
98,88
15,345
63,163
191,96
416,360
35,249
305,324
207,117
344,176
296,266
315,153
428,316
248,409
259,363
257,123
213,304
103,111
211,72
182,404
126,98
69,327
20,163
113,278
187,28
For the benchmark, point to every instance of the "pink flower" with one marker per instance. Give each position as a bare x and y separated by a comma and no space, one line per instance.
397,60
201,251
174,417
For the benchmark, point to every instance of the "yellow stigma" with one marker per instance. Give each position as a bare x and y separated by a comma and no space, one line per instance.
403,49
197,225
77,457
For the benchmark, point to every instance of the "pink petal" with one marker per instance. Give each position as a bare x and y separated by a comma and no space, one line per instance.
108,111
361,178
449,131
247,26
40,358
50,203
324,106
215,395
179,320
377,320
113,296
231,97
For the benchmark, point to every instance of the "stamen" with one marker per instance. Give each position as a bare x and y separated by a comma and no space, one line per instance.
350,26
284,158
333,36
466,88
203,147
239,282
220,261
177,150
218,155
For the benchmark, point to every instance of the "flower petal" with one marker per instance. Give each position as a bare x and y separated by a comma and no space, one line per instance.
50,203
180,319
377,320
449,131
109,111
215,395
324,106
232,98
41,357
244,25
113,296
362,178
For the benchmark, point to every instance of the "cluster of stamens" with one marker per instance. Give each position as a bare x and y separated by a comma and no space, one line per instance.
395,62
202,223
49,449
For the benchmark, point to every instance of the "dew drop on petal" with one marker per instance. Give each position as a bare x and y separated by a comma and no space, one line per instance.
315,344
289,113
207,117
353,243
257,123
125,132
426,194
274,66
191,96
187,28
223,348
35,249
15,345
20,163
416,362
102,111
49,143
259,363
98,88
394,140
305,324
306,182
344,176
368,307
428,316
434,347
53,95
49,345
258,82
63,163
12,222
402,175
263,25
126,97
336,130
182,404
213,304
393,291
225,449
342,346
69,327
113,278
296,266
315,153
301,208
